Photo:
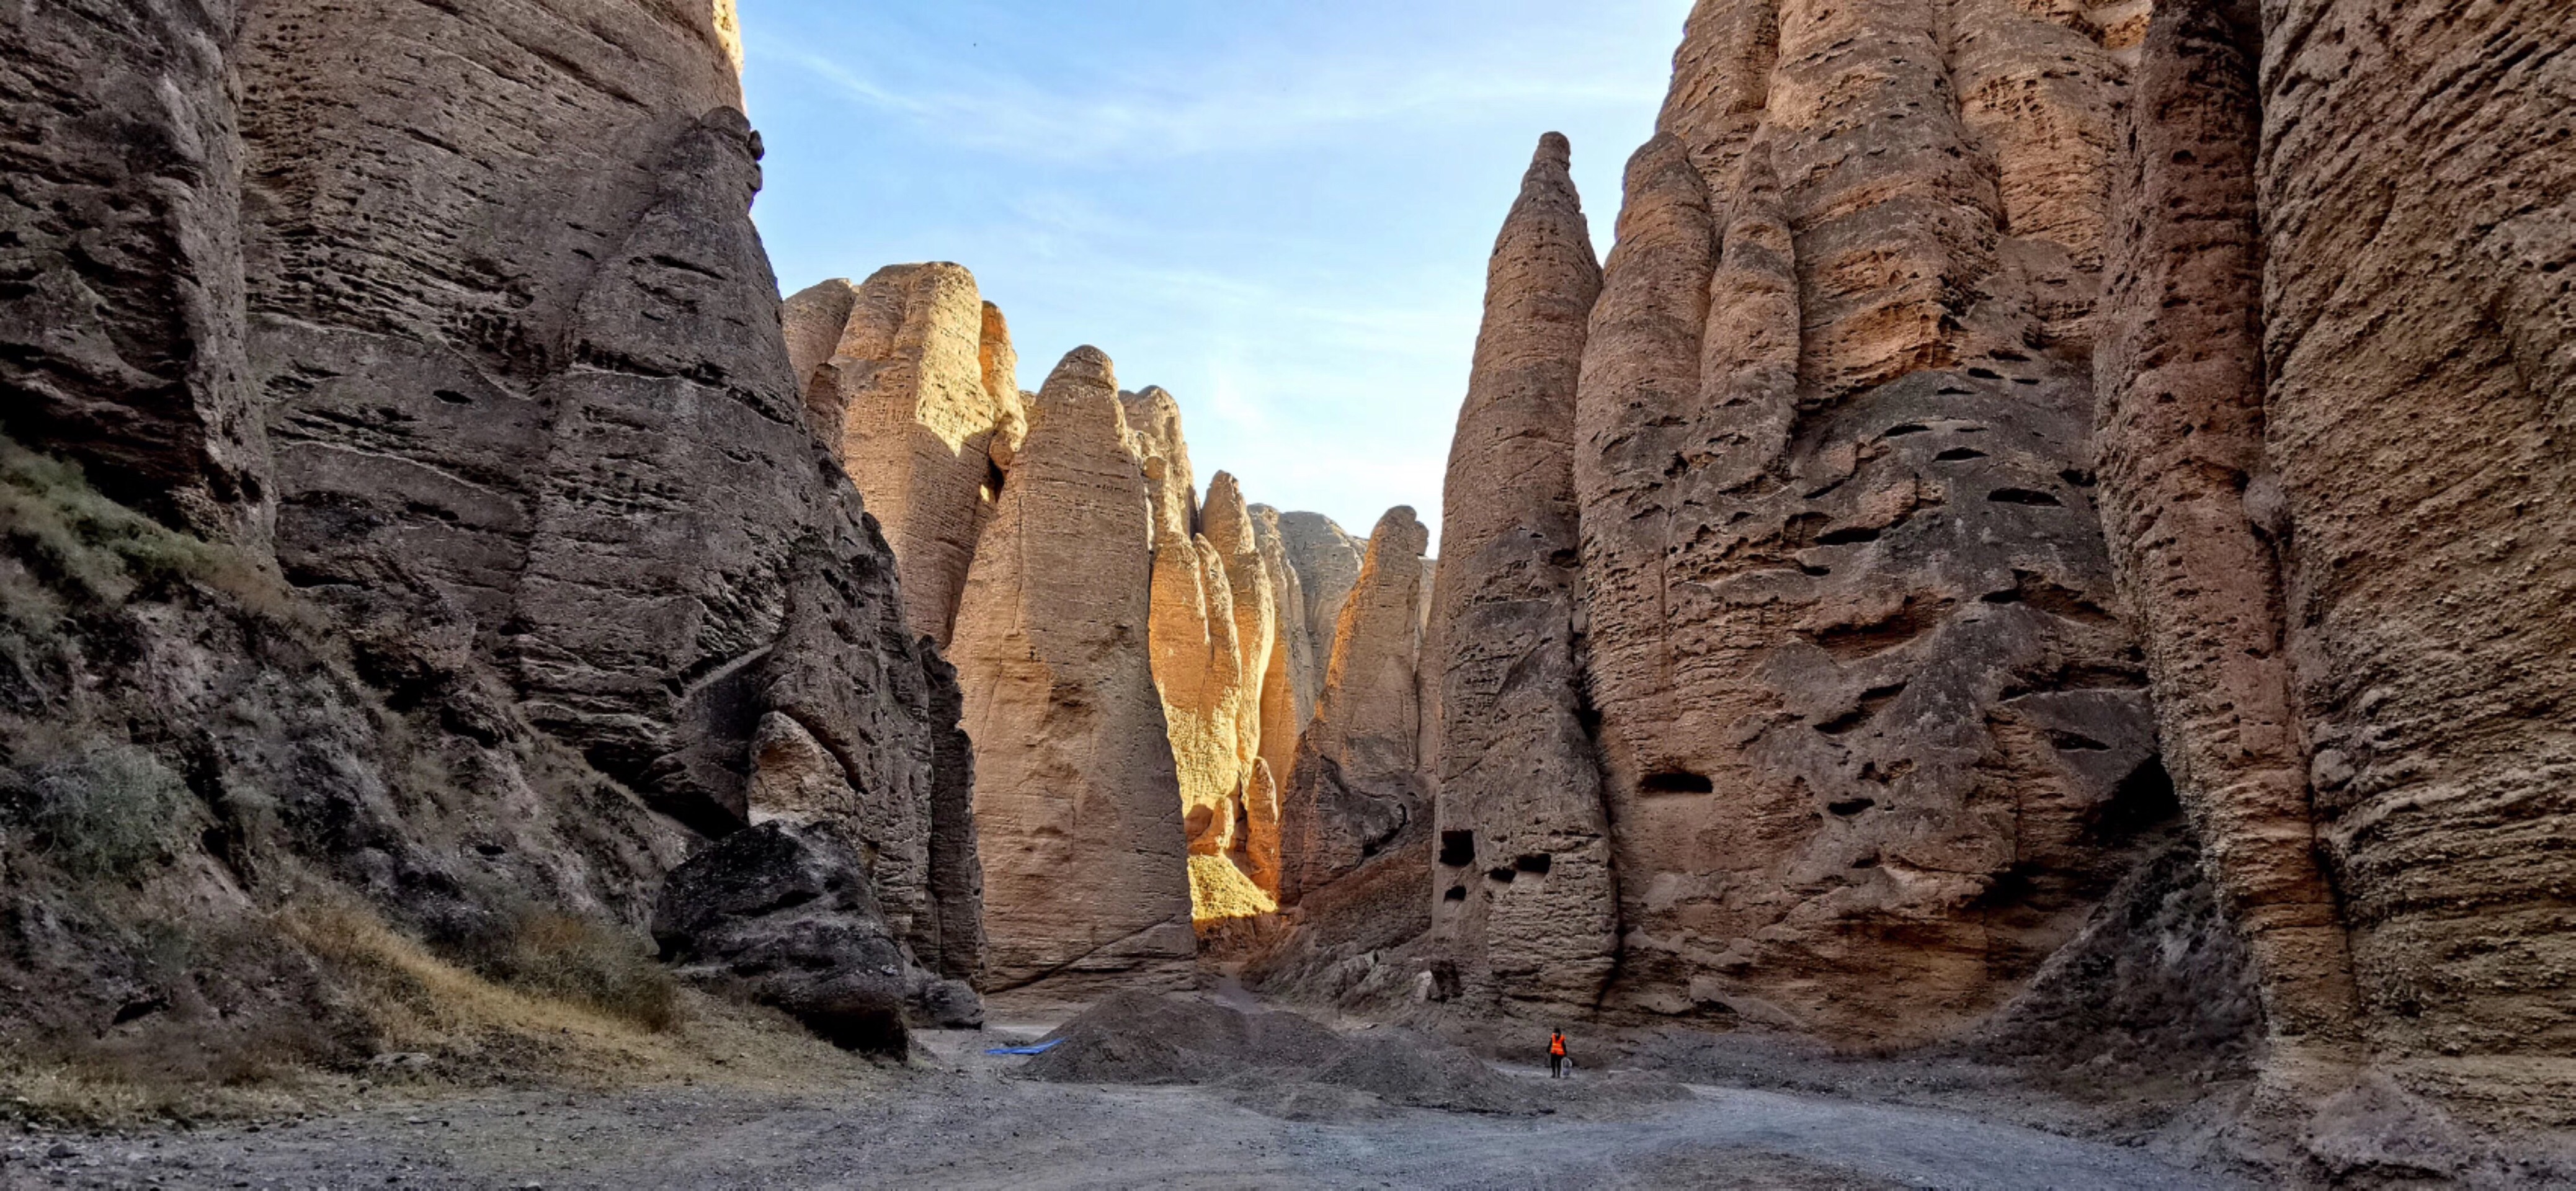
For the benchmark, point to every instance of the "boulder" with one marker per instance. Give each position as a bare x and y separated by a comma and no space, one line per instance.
783,914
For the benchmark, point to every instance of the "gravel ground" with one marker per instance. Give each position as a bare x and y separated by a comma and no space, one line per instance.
960,1120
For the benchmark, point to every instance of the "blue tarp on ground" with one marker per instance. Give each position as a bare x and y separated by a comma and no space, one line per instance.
1039,1049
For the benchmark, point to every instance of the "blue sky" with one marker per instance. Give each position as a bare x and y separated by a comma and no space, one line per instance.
1279,212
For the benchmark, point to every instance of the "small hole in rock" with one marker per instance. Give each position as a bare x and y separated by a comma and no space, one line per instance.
1457,893
2023,496
1958,455
1851,806
1536,863
1457,848
1676,782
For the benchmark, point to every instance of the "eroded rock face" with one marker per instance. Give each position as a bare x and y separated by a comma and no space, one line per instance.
1357,789
2181,442
1866,715
1523,892
2352,572
1327,562
123,339
910,377
493,301
1076,799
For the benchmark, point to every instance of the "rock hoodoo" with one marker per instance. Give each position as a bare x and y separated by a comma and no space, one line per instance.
1357,789
912,380
1524,898
1076,796
1867,718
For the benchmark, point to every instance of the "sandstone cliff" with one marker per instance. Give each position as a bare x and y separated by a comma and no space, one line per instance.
1077,799
466,304
1357,789
2334,410
912,380
1867,718
1525,906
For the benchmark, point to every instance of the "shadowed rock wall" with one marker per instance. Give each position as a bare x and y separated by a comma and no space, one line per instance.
2335,411
470,297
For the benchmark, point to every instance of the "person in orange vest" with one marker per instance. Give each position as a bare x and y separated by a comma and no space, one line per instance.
1555,1053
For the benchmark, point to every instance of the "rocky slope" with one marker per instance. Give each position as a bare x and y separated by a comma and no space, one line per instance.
452,319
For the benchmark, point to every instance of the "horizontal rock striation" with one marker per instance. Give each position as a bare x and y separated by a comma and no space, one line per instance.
470,299
2335,411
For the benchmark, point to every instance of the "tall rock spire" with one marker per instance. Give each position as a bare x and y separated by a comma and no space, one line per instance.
908,378
1866,719
1357,790
1524,899
1085,862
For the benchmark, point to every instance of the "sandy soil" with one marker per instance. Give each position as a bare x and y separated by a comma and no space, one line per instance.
958,1118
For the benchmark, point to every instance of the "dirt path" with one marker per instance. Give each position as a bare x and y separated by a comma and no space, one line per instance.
967,1126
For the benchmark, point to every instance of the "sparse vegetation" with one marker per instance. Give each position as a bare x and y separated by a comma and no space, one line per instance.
83,545
586,962
108,812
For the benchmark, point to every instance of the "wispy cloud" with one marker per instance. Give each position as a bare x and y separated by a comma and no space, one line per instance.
1225,107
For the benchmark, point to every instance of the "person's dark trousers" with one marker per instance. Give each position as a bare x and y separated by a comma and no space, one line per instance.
1556,1066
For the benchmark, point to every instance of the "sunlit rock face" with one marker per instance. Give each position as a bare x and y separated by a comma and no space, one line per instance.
1873,741
911,379
1077,797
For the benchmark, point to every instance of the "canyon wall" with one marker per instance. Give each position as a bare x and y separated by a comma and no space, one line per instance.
1873,740
1884,705
462,310
2334,411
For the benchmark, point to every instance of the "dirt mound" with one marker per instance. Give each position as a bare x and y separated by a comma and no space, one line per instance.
1140,1038
1406,1068
1294,1068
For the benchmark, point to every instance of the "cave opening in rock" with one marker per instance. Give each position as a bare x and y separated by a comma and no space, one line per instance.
1457,849
1676,781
